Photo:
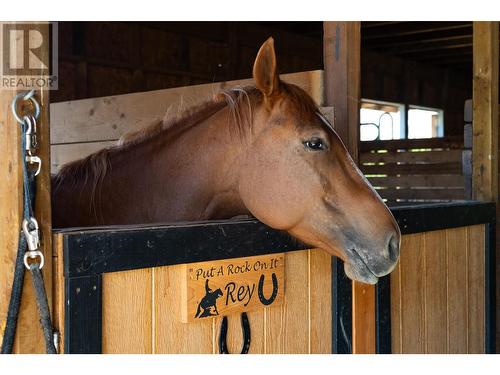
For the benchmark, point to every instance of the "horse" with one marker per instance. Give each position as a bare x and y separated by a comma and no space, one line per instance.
264,151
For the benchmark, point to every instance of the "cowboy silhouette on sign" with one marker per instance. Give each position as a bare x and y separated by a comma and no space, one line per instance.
208,303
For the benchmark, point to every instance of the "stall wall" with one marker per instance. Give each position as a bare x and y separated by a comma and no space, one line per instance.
438,292
141,312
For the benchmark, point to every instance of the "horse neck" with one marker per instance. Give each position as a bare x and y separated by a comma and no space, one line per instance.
181,175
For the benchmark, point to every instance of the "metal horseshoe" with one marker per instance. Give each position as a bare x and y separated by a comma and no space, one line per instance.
245,327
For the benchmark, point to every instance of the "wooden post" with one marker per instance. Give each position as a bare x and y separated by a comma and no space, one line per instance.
342,66
29,338
485,125
485,111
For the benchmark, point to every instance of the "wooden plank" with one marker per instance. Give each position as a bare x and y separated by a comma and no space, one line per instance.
108,118
363,318
287,327
396,329
435,292
127,312
395,169
170,335
342,61
485,120
441,156
320,302
475,289
485,111
456,256
29,337
438,194
412,294
412,181
455,142
65,153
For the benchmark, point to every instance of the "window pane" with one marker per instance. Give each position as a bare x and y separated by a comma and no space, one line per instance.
368,132
425,123
380,120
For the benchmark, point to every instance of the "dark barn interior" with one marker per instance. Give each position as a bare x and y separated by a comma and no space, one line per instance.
415,63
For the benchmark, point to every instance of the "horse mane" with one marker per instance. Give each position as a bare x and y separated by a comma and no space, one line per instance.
90,171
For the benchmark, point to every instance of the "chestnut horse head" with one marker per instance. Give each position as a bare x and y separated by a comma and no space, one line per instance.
265,150
299,177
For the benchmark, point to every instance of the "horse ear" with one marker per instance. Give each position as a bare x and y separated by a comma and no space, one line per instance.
265,71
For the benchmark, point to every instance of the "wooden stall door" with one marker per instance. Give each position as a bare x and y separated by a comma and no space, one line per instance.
438,292
142,313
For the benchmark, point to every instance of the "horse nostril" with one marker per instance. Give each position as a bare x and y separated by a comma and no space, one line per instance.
393,249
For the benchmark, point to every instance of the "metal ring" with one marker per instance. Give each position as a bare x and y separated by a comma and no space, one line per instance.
25,96
34,255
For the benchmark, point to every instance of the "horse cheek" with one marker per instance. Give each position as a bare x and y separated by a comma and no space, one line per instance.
272,191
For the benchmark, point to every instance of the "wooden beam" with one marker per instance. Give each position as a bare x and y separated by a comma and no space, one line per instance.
485,111
422,41
29,338
342,64
485,122
414,28
342,60
363,318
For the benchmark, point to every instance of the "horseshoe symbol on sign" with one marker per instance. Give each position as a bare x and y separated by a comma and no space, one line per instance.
267,301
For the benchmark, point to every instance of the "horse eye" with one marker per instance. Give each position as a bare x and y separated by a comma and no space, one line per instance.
315,144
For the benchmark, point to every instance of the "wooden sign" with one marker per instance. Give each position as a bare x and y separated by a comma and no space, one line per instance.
230,286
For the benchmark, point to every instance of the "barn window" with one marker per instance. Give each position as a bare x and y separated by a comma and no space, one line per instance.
425,122
385,121
381,120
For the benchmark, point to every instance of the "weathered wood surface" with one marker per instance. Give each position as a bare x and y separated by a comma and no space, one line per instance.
422,194
409,169
29,338
437,292
418,181
485,119
453,143
342,64
438,156
485,111
416,170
